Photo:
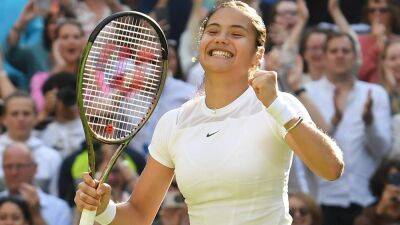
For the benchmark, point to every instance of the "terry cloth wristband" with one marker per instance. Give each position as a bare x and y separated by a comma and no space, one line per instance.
281,111
107,216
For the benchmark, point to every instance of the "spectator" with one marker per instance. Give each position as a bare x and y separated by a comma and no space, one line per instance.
383,18
385,185
67,50
65,133
76,164
359,114
15,211
396,136
312,50
173,209
304,210
390,73
175,93
19,119
19,171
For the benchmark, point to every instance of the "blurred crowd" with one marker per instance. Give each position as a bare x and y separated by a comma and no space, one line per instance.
341,59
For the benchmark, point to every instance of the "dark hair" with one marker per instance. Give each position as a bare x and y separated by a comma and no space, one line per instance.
256,20
304,40
19,94
338,34
312,206
73,22
394,14
380,177
59,80
22,205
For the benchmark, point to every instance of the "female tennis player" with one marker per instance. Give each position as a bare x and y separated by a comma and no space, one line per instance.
231,149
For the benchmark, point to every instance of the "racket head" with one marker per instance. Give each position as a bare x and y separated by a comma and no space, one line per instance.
121,76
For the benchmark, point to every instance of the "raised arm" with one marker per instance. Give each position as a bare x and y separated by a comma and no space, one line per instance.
317,150
144,203
343,25
294,38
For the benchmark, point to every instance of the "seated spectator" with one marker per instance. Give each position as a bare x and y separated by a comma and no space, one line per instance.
19,119
385,185
76,164
304,210
390,73
67,50
15,211
19,171
65,133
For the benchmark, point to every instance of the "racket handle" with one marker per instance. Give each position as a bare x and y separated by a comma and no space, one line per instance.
87,217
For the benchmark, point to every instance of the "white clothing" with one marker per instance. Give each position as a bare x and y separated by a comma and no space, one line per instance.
54,211
48,162
231,164
175,93
64,137
363,147
195,75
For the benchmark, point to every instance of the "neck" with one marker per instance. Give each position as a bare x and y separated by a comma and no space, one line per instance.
222,89
316,72
343,80
22,138
71,67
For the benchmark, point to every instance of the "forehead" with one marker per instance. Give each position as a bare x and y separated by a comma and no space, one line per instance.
339,42
69,27
377,3
393,48
230,17
286,5
15,155
19,103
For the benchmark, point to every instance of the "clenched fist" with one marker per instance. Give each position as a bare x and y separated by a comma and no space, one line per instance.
265,85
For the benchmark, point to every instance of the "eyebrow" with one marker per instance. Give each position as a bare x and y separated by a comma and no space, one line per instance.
231,26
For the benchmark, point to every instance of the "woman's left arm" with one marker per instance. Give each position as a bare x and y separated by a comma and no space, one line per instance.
316,149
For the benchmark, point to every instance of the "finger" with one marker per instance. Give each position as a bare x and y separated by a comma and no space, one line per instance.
103,189
88,190
89,180
81,204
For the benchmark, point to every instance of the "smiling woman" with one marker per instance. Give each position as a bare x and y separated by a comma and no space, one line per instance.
230,149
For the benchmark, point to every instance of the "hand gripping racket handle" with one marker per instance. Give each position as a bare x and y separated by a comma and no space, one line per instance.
87,217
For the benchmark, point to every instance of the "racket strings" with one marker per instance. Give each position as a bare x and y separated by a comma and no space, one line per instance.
122,77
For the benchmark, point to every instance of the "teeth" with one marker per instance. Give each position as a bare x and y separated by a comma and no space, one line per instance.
221,53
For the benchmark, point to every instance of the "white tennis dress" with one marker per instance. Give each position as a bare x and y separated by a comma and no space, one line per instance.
231,164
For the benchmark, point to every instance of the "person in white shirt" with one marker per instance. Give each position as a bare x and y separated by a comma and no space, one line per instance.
229,149
19,119
359,117
19,170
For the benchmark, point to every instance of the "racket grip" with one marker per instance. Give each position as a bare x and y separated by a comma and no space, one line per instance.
87,217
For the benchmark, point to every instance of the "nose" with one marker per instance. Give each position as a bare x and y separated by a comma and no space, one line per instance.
221,38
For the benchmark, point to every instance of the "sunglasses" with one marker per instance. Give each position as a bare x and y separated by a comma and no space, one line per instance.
301,211
380,10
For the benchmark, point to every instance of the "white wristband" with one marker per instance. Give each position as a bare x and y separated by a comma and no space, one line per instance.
281,111
107,216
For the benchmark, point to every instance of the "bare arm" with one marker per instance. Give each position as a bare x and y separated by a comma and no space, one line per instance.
144,202
6,87
318,151
343,25
294,38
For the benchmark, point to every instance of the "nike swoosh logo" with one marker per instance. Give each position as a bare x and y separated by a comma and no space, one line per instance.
209,135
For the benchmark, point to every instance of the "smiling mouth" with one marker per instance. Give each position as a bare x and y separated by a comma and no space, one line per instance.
220,53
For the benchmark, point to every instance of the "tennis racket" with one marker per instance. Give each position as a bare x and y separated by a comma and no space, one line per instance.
121,76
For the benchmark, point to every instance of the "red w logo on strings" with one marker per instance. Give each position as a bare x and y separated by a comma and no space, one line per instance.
131,66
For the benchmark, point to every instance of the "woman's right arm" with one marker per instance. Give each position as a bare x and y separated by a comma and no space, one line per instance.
144,203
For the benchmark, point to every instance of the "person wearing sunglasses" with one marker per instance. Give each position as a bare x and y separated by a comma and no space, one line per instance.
304,210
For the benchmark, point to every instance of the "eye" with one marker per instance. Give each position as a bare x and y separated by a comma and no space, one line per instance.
211,32
237,35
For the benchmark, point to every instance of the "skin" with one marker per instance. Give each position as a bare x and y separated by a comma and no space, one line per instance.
11,214
314,55
297,204
391,66
19,118
230,31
